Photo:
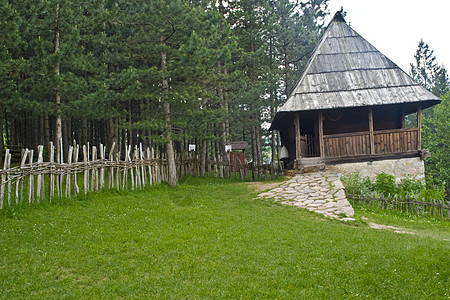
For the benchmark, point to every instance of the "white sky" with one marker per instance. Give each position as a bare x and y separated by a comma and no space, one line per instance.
395,27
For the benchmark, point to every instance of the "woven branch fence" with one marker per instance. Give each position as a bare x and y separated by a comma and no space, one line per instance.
435,208
88,169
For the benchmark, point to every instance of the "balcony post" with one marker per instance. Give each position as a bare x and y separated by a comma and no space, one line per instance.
321,144
371,138
298,148
419,128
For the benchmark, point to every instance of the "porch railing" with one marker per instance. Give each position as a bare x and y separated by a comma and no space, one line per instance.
358,143
309,146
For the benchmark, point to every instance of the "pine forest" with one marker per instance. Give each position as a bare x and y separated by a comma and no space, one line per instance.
160,73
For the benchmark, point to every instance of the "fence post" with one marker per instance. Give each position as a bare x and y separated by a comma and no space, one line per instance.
149,165
8,178
19,180
60,161
94,173
142,166
86,168
433,204
394,203
40,181
136,163
31,178
439,208
102,167
2,188
76,189
407,203
69,171
111,169
416,205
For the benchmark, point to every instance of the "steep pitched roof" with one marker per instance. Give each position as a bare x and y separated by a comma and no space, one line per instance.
347,71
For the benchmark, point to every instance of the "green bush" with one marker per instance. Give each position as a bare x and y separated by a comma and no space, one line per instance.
385,184
433,192
410,187
356,185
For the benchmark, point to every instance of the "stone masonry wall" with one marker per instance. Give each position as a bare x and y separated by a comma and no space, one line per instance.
399,168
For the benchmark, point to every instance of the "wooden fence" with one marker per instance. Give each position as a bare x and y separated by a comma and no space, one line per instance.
87,169
406,204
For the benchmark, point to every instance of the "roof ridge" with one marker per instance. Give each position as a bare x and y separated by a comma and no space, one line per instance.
339,16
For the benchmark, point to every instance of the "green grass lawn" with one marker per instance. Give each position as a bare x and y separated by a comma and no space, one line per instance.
209,238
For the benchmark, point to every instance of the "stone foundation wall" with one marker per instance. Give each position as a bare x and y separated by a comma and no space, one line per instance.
399,168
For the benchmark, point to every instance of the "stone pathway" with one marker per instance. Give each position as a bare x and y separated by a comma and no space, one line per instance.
321,192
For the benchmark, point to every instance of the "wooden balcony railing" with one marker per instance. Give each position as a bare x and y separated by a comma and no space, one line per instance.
399,140
358,143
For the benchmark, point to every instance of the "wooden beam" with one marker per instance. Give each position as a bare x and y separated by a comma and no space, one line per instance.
371,138
368,158
419,127
298,148
321,145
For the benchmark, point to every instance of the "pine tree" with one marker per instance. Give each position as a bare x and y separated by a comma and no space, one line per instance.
427,72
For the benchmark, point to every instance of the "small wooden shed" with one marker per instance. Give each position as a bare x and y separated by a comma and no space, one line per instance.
350,104
237,154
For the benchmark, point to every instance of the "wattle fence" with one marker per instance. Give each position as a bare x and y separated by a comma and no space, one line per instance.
87,169
435,208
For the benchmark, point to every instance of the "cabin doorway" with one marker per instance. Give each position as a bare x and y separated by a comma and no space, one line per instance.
309,137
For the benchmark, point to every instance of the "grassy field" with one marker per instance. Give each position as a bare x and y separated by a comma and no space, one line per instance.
209,238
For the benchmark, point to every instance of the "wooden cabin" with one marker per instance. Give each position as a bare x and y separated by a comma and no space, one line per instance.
350,104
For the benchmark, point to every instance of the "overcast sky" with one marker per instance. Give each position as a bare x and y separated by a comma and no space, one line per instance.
395,27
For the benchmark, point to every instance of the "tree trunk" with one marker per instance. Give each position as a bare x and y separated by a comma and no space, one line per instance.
46,135
123,143
35,126
224,125
148,132
273,144
67,140
203,158
258,145
112,135
12,133
130,123
41,140
57,96
172,175
287,83
84,131
172,170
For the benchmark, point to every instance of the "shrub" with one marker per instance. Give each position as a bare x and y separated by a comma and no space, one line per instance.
385,184
411,187
433,191
355,185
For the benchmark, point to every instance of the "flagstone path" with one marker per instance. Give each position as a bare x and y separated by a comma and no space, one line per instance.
320,192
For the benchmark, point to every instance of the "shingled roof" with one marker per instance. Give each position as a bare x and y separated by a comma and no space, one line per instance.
347,71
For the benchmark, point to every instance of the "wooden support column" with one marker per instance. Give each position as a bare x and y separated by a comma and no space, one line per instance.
298,148
321,145
419,127
371,138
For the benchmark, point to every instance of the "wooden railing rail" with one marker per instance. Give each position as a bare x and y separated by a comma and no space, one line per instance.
358,143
